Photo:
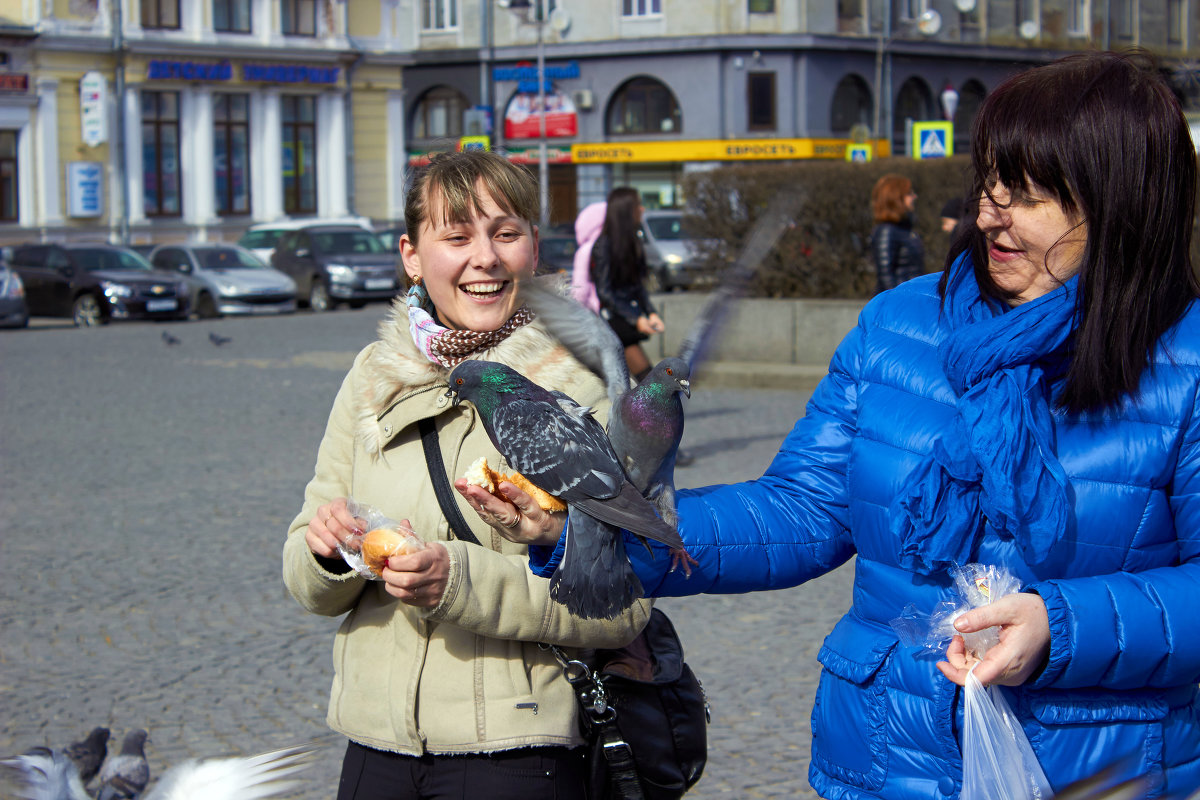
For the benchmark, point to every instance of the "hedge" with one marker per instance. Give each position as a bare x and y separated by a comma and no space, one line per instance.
826,254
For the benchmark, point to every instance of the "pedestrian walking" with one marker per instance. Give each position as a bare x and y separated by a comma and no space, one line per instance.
895,247
439,683
588,226
1035,409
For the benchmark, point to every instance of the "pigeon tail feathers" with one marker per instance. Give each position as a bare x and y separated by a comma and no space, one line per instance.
594,579
632,512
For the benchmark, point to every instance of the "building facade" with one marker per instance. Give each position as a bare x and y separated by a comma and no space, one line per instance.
641,92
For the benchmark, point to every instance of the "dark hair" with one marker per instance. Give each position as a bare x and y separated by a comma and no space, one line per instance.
447,187
624,244
888,196
1105,135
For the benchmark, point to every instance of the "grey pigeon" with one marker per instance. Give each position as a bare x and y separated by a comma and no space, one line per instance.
126,774
46,774
89,754
218,340
561,448
169,339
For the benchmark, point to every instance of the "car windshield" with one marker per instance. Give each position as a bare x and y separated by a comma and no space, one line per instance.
558,248
227,258
261,239
665,227
94,259
343,242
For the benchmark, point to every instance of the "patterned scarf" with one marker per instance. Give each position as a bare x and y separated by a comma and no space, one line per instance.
996,465
450,347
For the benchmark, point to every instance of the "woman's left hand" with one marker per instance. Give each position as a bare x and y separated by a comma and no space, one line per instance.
519,519
418,579
1024,641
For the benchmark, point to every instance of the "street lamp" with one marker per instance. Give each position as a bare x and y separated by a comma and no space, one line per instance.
522,9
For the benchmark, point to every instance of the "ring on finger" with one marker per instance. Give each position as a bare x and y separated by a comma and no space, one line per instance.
516,521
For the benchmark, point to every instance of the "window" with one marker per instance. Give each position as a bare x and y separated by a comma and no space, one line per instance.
1122,19
644,105
231,16
438,15
300,17
231,153
850,16
299,154
760,101
439,114
8,176
640,8
911,9
1176,21
1079,15
851,105
761,6
160,14
160,154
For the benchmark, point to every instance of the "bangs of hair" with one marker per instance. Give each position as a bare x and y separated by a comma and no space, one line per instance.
451,188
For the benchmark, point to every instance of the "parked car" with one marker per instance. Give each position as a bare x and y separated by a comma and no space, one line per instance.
95,283
675,261
337,263
556,253
227,279
391,236
13,312
262,237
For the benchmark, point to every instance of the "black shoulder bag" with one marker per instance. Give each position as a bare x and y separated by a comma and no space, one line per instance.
642,710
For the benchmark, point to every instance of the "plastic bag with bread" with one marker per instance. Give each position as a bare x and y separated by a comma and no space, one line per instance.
368,554
480,474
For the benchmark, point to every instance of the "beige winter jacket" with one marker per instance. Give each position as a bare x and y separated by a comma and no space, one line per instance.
467,676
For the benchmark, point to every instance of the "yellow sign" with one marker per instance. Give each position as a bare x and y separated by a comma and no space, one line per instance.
932,139
861,153
711,150
474,143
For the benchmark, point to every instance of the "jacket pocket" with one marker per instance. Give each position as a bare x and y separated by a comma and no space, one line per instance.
850,712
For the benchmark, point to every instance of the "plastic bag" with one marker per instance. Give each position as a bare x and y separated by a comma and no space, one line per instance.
372,518
976,585
998,762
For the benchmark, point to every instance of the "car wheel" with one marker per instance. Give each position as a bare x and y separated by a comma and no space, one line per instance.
86,312
318,297
206,307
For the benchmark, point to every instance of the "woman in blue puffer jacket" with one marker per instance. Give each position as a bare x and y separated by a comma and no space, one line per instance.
1035,408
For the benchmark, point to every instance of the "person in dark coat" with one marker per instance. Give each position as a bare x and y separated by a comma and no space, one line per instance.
897,250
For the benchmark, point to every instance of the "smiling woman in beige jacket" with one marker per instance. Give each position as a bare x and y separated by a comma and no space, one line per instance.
439,681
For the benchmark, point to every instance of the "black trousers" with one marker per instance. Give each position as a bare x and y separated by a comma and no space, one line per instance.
528,773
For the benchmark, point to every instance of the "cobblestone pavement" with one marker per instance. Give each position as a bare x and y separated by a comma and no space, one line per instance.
146,495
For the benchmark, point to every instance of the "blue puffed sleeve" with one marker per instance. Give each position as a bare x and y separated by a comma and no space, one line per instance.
788,526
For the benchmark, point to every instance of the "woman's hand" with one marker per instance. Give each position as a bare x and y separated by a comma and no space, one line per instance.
1024,641
418,579
650,325
519,520
332,525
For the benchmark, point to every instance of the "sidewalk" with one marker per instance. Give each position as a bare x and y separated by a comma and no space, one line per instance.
764,344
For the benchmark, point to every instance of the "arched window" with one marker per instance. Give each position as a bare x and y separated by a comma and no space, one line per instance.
914,101
439,114
851,105
970,99
644,105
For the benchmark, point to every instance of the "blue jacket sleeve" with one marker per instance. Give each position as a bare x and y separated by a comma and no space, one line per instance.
1131,630
788,526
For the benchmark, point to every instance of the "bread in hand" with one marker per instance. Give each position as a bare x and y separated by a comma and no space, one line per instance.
382,543
480,474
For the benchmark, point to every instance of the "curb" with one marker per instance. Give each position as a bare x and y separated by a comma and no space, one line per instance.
759,375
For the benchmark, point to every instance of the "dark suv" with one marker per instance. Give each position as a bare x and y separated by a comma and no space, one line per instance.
95,283
337,263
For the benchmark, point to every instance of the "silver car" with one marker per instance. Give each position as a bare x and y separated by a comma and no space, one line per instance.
227,279
675,261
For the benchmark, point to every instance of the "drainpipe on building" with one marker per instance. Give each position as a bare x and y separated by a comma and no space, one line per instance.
118,40
348,124
485,63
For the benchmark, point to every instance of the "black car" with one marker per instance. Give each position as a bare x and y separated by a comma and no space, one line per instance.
96,283
332,264
556,253
13,313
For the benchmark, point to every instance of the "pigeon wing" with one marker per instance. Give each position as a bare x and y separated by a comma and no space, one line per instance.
45,774
270,774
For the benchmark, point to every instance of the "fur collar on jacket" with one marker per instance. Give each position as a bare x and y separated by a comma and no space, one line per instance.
393,366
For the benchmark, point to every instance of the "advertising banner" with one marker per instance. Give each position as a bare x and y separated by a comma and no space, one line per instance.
522,119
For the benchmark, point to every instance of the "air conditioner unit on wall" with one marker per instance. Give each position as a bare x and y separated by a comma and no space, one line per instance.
583,99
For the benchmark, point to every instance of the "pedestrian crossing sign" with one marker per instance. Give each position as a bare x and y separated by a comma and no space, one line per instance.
860,153
933,139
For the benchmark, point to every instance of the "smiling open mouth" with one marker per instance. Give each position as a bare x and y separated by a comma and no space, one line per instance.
484,289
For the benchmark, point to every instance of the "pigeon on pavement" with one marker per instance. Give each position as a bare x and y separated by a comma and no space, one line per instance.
561,448
126,774
218,340
169,339
89,754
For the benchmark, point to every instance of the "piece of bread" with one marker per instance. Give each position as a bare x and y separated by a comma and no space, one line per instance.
480,474
382,543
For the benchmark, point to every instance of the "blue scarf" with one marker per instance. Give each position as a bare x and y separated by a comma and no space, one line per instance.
996,464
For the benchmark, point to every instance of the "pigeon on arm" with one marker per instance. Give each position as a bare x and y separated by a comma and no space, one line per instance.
561,448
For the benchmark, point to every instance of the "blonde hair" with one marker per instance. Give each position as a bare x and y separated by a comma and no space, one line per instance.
887,198
448,188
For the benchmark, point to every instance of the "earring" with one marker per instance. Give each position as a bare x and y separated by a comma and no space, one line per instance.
417,296
417,280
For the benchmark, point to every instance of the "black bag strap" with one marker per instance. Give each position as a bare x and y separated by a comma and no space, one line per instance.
441,485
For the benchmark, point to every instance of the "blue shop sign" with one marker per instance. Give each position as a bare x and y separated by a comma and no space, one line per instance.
188,71
526,75
289,73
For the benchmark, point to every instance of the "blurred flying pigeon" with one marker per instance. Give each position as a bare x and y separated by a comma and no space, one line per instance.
126,774
169,339
46,774
557,444
88,755
218,340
